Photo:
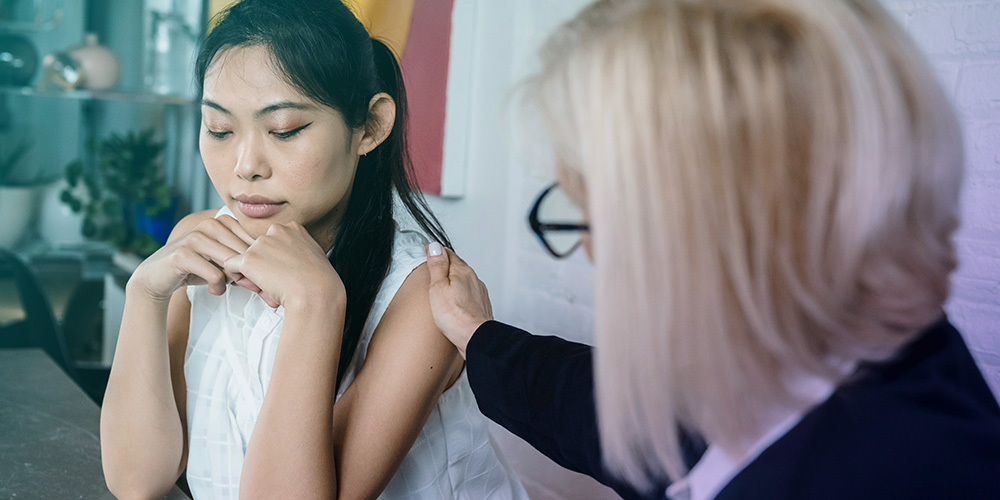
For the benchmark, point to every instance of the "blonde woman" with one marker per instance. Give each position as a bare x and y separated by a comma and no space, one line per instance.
768,191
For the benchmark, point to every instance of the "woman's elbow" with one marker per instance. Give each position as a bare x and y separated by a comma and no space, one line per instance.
127,479
124,487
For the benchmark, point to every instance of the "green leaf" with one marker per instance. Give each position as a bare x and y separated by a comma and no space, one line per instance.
144,245
89,229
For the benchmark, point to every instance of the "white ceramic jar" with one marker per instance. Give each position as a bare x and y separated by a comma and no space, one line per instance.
57,223
100,67
17,206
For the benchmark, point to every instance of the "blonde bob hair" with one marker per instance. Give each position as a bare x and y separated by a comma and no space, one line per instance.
773,187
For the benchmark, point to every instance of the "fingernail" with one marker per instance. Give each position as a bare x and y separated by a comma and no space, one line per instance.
434,249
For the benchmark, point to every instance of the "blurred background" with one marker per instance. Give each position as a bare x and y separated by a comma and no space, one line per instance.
98,158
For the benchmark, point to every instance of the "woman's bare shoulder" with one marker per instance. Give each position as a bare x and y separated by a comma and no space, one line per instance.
407,328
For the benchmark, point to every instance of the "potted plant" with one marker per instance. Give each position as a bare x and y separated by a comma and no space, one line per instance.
127,200
18,191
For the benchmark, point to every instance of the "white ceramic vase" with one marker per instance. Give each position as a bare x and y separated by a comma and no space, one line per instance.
17,206
58,224
99,65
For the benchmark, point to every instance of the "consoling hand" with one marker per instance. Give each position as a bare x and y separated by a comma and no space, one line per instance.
459,301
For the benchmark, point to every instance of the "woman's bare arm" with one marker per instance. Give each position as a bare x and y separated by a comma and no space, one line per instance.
409,365
143,424
289,453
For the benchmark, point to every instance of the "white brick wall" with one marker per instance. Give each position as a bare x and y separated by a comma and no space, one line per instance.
962,40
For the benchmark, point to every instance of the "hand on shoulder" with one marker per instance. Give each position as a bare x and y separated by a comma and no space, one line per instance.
459,301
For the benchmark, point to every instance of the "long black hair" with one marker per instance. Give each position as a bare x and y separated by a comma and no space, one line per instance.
326,53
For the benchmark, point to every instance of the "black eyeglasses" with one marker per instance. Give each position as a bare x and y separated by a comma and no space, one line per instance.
557,222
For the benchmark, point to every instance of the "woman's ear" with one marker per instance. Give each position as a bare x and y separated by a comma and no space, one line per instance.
381,118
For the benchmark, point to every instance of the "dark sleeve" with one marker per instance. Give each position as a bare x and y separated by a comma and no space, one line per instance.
542,390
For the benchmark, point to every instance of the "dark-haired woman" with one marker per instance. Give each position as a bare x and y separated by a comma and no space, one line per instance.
282,346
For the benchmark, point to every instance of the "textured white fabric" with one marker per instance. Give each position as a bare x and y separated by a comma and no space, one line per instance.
230,353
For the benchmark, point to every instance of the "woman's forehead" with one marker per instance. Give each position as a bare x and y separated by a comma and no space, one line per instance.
248,73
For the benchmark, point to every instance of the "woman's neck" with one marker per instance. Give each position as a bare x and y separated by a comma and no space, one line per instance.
325,235
325,230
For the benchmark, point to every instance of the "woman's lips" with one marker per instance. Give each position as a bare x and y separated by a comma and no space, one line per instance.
257,209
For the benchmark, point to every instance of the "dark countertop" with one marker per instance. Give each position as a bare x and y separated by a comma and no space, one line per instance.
49,445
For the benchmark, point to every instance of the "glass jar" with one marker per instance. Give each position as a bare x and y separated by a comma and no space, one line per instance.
170,54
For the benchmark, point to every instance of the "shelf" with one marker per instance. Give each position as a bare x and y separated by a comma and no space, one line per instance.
91,260
25,27
99,95
38,25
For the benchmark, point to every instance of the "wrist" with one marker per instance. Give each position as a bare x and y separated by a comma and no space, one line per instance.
318,300
462,340
137,290
315,313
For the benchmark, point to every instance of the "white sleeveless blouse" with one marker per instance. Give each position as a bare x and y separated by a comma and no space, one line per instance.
227,367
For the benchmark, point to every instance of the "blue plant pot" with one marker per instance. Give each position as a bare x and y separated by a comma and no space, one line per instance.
158,226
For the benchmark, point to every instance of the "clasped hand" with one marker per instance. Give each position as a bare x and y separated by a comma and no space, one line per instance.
281,266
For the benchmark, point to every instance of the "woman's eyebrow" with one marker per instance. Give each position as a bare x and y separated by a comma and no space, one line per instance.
263,111
281,105
212,104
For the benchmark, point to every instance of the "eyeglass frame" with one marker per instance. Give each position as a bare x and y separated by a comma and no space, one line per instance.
540,228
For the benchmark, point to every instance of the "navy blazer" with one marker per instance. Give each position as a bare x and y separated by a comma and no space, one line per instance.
922,425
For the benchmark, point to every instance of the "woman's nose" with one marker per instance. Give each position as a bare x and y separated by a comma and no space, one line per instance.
251,161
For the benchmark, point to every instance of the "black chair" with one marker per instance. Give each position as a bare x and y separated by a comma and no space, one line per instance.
38,329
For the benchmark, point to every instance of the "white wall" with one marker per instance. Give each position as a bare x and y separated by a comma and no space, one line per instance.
962,40
489,225
545,296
